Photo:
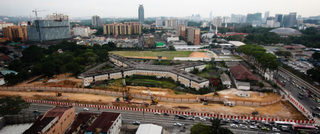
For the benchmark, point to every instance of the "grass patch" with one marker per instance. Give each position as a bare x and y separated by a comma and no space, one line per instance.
176,92
169,54
157,83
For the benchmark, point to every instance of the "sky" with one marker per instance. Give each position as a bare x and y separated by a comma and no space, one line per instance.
156,8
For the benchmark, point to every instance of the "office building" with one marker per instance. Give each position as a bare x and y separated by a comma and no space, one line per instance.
141,14
217,21
238,18
183,21
54,121
226,19
128,28
266,15
12,32
253,18
292,19
148,41
171,23
96,21
194,36
181,31
81,31
278,18
44,30
158,22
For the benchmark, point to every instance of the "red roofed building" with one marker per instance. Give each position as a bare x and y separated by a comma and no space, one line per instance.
4,60
106,123
54,121
81,123
240,75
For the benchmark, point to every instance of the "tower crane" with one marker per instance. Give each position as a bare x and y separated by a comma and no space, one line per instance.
36,12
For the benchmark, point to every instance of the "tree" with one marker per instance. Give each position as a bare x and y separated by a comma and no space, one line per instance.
261,85
181,38
12,105
190,43
32,54
16,65
217,129
200,129
73,67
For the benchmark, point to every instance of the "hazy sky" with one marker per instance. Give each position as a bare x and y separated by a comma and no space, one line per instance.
155,8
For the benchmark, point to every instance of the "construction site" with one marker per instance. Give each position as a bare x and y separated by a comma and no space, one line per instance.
155,98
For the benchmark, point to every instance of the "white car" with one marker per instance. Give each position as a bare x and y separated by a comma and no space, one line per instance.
177,124
202,119
136,123
275,129
191,118
85,109
233,125
206,117
157,113
197,117
243,126
185,115
253,127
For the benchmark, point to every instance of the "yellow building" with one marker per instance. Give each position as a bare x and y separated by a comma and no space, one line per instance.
128,28
15,32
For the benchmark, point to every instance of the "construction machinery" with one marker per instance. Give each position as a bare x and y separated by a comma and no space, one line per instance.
125,91
154,100
36,12
58,94
45,79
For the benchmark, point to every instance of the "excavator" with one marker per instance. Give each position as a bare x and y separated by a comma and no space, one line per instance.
154,100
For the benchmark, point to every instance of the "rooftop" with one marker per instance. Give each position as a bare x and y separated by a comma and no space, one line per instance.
149,129
39,125
57,111
242,73
104,121
285,30
82,118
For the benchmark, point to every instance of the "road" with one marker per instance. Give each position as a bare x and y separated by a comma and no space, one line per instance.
129,116
294,91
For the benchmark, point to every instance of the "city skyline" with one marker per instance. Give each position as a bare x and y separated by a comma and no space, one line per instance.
123,8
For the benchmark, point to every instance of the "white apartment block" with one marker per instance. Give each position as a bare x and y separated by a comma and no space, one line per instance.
81,31
177,72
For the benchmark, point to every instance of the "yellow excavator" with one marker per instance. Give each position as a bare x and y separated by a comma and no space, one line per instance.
154,100
45,79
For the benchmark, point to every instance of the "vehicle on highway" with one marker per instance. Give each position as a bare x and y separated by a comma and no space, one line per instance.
166,114
233,125
275,129
207,118
243,126
284,128
136,123
283,123
182,117
300,97
177,124
265,128
236,122
177,115
245,122
85,109
313,108
253,127
185,115
225,120
191,118
304,128
202,119
157,113
196,116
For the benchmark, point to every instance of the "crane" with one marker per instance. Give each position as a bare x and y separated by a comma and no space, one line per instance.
154,100
36,12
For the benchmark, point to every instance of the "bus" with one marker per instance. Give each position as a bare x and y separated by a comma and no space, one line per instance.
304,128
283,123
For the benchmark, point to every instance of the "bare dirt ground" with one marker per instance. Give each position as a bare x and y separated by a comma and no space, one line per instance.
282,109
198,54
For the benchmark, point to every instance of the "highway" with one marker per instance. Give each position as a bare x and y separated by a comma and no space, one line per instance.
129,116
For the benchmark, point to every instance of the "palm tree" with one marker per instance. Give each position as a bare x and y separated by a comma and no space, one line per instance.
217,129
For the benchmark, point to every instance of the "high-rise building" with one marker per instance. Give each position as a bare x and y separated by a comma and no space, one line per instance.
256,17
81,31
58,17
194,35
5,24
171,23
226,19
158,22
278,18
181,31
270,22
217,21
183,21
141,14
96,21
238,18
292,19
12,32
43,30
210,16
266,15
128,28
285,20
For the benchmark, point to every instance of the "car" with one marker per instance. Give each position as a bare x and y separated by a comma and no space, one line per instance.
245,122
300,97
207,118
225,120
177,115
157,113
243,126
85,109
233,125
265,128
267,124
202,119
253,127
182,117
166,114
177,124
313,108
301,94
136,123
275,129
191,118
185,115
236,122
196,116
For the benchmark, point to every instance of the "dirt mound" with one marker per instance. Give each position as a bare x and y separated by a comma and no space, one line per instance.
199,54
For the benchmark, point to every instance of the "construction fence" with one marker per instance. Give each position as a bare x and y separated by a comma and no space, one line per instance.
173,112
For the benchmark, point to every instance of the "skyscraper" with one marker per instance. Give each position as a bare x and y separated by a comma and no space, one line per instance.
217,21
158,22
43,30
96,21
254,18
183,21
181,30
278,18
292,19
210,17
266,15
141,14
194,36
